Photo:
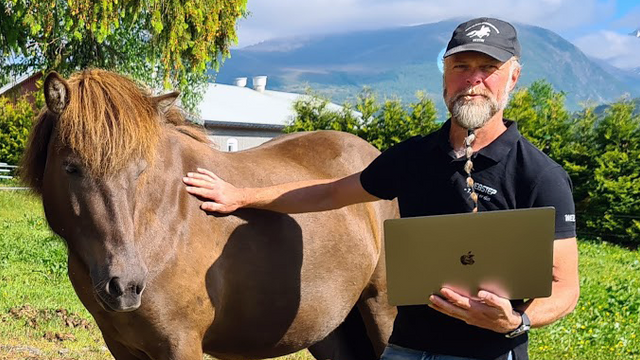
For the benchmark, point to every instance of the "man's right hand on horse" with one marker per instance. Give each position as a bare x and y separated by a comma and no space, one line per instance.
225,198
288,198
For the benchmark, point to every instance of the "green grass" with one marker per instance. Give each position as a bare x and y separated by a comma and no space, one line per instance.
39,309
606,322
11,183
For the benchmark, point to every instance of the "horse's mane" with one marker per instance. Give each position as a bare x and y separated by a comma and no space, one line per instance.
108,121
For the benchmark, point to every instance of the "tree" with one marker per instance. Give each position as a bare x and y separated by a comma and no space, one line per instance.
542,117
613,206
382,126
601,154
160,42
16,119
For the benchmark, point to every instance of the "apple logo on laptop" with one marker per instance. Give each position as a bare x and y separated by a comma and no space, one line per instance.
467,259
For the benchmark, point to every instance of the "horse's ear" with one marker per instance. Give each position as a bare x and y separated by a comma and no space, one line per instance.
56,93
164,102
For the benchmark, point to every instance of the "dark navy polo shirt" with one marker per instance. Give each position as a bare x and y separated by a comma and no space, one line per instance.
428,179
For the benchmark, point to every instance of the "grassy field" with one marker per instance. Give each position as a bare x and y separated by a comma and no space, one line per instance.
41,318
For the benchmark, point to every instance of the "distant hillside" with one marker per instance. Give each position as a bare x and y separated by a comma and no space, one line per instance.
602,108
401,61
631,77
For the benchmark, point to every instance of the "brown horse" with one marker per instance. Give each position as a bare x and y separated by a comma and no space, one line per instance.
165,280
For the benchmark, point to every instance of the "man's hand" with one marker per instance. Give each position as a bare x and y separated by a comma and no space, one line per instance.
225,198
489,311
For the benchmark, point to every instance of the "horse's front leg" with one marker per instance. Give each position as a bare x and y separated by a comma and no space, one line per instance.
182,347
121,352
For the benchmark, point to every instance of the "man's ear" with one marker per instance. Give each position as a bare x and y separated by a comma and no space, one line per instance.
56,93
164,102
514,77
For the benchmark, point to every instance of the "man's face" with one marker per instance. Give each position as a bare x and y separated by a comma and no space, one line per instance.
476,87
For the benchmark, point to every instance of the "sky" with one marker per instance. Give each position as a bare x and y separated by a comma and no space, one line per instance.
600,28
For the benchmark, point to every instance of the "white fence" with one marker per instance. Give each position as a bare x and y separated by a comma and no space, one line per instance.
6,170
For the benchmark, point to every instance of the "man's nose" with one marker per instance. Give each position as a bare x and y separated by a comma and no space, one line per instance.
475,78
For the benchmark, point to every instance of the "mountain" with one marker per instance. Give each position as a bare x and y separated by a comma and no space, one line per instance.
635,33
401,61
629,77
602,108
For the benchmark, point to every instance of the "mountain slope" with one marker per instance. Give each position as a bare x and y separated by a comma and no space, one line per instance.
401,61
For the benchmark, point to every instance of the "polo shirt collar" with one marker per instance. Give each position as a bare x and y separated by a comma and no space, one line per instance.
495,151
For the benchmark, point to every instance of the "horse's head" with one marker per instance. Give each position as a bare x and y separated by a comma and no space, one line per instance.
87,153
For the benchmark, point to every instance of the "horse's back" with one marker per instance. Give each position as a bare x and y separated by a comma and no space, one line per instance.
306,155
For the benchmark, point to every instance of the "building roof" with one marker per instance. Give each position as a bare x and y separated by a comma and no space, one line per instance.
16,81
242,106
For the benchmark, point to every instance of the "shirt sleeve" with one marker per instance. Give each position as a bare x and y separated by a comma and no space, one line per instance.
554,188
382,178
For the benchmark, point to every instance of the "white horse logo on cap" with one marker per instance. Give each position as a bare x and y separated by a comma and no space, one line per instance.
484,31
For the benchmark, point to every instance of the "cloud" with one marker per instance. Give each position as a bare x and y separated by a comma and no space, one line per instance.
286,18
619,50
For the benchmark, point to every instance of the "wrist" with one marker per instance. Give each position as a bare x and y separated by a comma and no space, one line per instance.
522,328
515,320
245,197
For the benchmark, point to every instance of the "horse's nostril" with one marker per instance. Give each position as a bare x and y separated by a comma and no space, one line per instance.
139,289
114,288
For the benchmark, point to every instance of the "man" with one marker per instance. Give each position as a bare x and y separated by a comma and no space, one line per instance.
477,160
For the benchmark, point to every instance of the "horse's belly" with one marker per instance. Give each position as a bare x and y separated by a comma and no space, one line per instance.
279,294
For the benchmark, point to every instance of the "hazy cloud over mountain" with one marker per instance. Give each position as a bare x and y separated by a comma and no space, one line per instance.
590,24
284,18
619,50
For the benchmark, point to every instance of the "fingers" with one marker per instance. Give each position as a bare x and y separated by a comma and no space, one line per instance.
205,177
195,190
445,307
209,186
493,300
198,183
456,299
209,173
212,206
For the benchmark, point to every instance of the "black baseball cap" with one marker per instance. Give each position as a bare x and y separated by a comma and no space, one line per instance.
493,37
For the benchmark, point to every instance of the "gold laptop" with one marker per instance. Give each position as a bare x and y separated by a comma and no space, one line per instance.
508,252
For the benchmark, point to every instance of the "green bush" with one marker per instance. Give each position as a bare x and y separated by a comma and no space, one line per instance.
16,119
601,153
381,125
612,207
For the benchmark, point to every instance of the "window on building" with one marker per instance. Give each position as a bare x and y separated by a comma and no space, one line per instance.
232,145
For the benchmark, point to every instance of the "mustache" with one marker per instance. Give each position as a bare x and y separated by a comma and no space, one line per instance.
472,91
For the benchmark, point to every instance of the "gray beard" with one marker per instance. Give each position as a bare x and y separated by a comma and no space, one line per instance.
471,115
474,116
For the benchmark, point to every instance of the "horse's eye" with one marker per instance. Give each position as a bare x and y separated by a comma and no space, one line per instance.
71,169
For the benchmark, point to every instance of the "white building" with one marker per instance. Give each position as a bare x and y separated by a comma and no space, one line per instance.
238,117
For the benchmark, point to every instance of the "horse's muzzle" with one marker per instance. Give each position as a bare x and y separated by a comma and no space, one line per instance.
120,295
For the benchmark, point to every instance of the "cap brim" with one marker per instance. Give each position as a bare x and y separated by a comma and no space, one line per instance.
496,53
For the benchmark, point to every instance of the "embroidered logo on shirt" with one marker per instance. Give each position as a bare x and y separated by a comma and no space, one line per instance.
484,192
570,218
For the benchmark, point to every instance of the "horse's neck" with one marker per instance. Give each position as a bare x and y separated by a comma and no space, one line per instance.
167,217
